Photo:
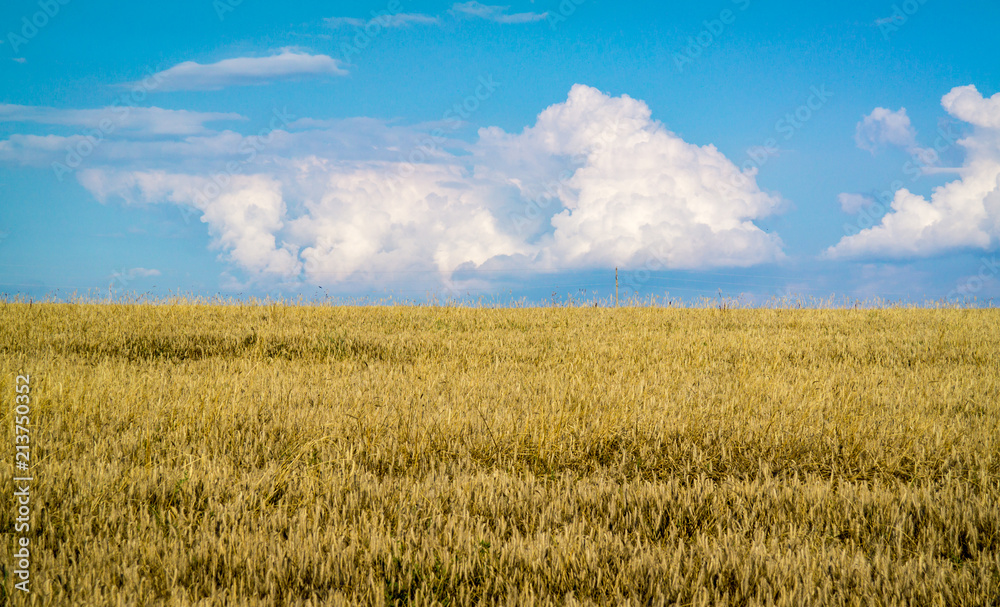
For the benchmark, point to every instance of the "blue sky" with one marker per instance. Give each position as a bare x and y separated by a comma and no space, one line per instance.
525,150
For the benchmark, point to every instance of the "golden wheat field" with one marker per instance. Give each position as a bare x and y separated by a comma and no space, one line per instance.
316,455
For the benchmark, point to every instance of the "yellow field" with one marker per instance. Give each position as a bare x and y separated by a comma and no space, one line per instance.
413,455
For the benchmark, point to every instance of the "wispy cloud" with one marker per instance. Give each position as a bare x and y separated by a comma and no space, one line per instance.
852,203
150,121
494,13
243,71
472,9
887,20
345,22
386,20
127,274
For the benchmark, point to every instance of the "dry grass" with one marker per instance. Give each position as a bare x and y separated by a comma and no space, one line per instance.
415,455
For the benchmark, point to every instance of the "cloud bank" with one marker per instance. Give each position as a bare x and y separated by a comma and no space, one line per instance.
595,182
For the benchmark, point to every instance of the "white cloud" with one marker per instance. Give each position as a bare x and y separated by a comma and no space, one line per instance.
342,140
965,103
243,216
852,203
147,120
369,223
964,213
885,127
472,9
142,272
242,71
336,22
495,13
72,152
384,20
405,19
636,190
124,276
594,183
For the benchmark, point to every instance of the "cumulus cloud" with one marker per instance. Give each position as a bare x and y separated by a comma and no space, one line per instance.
494,13
243,71
151,120
595,182
361,224
634,189
965,103
964,213
244,216
375,224
885,127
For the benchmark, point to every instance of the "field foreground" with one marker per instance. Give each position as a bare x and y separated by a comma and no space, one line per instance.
277,454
